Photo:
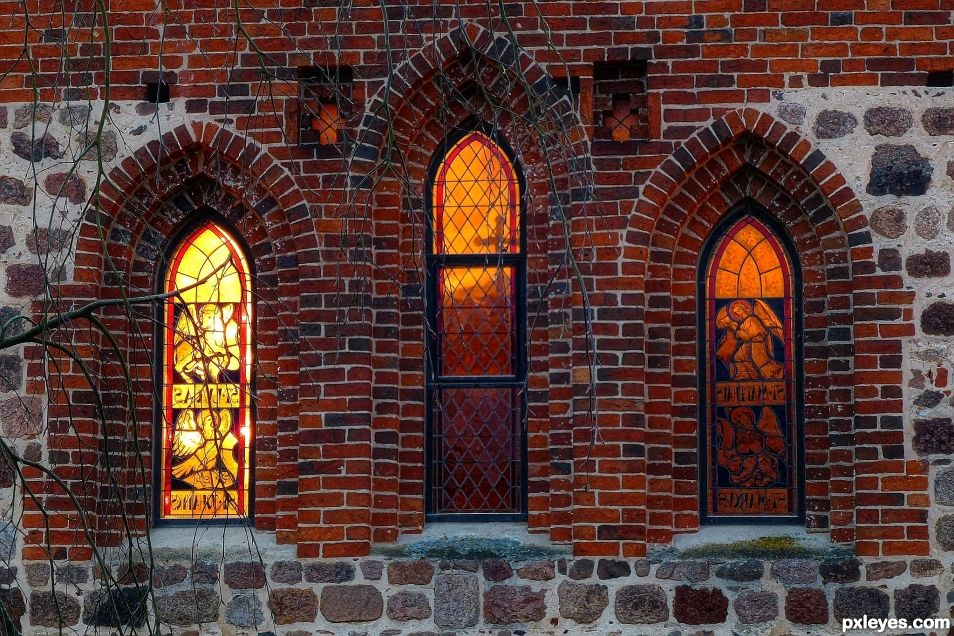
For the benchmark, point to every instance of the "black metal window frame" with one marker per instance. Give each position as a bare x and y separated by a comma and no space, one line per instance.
749,208
433,380
203,216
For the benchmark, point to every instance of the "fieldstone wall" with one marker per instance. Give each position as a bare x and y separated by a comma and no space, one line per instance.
392,597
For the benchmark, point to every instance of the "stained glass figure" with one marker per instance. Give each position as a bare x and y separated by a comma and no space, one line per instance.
750,423
475,449
207,422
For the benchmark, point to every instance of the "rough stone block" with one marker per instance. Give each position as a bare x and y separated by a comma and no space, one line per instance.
700,606
917,601
612,569
938,319
641,604
686,571
944,530
351,603
188,607
934,436
410,572
537,571
741,571
888,121
898,170
456,601
13,192
833,124
329,572
244,610
756,607
244,576
53,610
582,602
840,570
408,606
857,601
806,606
889,221
291,605
581,569
507,604
879,570
287,572
938,121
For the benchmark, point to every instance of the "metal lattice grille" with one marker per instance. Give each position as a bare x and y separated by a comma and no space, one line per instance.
476,272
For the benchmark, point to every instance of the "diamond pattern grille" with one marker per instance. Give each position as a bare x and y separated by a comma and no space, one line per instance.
476,321
476,196
476,441
475,463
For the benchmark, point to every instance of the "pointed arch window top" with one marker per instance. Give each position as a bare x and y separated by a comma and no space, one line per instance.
476,196
750,263
750,428
206,431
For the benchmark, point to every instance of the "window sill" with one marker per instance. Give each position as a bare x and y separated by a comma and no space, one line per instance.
213,542
752,541
475,541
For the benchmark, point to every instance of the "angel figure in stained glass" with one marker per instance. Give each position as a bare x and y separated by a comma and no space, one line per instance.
746,347
203,445
750,450
208,343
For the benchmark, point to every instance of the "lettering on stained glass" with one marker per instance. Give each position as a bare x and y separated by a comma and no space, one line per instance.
750,425
207,420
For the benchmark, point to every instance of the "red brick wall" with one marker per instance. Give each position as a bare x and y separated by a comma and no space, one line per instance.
340,445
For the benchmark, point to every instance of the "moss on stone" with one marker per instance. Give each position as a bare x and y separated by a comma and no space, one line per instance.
471,548
774,547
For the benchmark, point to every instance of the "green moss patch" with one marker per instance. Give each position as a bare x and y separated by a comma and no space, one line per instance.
467,548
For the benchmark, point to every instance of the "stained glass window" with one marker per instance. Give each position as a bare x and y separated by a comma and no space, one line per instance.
207,425
750,419
474,390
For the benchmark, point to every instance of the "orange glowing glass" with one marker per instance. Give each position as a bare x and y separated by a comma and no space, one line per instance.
475,461
475,197
750,423
207,425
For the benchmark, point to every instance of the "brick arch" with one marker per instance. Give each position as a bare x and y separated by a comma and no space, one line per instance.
418,124
144,204
854,320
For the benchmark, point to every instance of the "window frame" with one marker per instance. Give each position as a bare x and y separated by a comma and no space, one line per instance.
200,219
752,209
434,262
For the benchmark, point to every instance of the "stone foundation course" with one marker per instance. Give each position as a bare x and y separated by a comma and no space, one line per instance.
401,597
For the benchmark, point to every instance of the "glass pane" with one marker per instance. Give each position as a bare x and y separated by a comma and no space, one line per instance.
475,321
475,450
750,426
475,200
206,427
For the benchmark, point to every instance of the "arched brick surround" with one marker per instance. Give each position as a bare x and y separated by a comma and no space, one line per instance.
144,205
409,120
854,320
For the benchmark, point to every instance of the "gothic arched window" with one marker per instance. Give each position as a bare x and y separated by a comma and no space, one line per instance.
476,352
750,437
206,431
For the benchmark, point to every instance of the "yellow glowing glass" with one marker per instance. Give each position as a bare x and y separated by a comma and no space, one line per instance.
207,423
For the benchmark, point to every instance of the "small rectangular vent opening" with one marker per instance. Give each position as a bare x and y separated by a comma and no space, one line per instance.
157,92
620,110
325,95
940,78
